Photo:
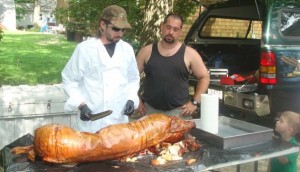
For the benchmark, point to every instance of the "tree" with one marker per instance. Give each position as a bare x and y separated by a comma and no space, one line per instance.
145,16
1,34
37,11
156,10
61,5
8,14
38,5
83,15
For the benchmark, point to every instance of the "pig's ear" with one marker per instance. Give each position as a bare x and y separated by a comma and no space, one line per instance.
180,125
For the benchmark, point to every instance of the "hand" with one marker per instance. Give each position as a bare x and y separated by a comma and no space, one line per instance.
188,109
142,108
85,113
129,108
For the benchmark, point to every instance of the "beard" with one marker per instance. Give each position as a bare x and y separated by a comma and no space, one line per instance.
169,39
112,39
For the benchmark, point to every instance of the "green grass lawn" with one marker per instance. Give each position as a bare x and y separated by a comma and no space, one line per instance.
30,58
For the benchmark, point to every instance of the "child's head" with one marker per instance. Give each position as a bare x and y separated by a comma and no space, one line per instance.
288,123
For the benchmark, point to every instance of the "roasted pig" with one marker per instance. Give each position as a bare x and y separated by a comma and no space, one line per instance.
57,143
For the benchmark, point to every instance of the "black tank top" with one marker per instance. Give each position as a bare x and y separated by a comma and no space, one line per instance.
166,85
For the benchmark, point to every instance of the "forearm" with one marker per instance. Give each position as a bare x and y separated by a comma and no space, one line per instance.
201,88
71,76
72,89
134,85
133,94
75,98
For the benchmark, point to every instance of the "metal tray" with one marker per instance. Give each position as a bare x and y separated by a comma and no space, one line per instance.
233,133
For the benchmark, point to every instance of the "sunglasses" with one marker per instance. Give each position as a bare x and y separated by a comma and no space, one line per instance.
115,29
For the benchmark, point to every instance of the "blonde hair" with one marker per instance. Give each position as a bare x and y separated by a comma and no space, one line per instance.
293,120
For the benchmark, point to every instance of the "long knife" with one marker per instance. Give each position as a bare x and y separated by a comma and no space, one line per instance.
100,115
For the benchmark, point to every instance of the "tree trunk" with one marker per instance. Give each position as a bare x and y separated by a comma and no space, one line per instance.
36,13
155,11
61,4
8,14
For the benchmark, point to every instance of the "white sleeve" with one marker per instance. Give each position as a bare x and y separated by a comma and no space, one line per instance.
71,78
133,80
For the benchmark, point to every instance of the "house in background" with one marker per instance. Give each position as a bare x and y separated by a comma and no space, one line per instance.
26,20
37,12
33,13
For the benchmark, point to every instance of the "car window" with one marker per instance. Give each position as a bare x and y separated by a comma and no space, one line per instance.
290,22
216,27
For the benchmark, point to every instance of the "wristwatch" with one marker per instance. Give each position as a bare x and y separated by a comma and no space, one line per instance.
195,102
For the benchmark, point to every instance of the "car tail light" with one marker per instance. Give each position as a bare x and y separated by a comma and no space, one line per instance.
267,68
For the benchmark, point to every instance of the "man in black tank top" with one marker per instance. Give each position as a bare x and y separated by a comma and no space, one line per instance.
167,65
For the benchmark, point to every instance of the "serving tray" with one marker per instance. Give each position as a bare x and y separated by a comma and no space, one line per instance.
233,133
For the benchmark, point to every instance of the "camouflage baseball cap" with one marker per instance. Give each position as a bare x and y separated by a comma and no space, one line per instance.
116,15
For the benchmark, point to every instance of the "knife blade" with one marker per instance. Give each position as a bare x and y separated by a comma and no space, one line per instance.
100,115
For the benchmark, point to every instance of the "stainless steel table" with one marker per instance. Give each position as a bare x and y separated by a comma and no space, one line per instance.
274,148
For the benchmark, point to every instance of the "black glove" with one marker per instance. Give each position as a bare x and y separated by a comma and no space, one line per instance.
85,113
129,108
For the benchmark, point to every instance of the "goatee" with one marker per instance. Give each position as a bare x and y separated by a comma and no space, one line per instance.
169,39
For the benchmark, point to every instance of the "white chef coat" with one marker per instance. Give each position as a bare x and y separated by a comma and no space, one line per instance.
102,82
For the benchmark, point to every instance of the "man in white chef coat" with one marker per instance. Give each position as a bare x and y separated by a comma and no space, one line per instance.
102,74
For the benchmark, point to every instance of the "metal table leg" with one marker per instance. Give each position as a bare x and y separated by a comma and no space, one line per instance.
255,166
238,168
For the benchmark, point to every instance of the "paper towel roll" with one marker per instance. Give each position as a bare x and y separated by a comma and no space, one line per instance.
210,113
